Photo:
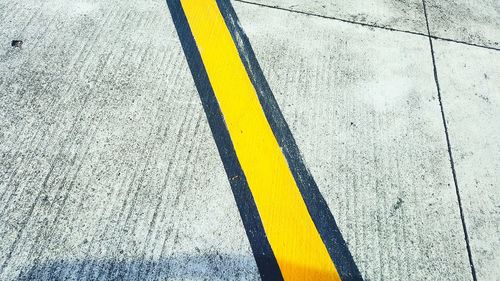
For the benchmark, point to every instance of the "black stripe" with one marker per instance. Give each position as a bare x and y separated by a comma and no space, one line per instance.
264,256
316,204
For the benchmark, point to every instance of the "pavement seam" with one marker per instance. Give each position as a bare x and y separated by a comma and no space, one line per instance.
448,143
367,24
463,43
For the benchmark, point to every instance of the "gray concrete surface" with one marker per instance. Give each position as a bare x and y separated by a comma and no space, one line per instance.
406,15
470,86
108,169
470,21
362,105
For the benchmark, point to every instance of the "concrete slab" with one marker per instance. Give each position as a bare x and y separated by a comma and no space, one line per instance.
362,105
405,15
470,89
108,169
476,22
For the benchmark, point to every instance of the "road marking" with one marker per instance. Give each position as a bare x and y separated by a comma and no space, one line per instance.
294,239
258,151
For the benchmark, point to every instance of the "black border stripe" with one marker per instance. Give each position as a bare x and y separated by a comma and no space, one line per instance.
316,204
263,254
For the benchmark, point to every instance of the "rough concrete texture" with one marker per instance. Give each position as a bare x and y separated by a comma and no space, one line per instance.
472,21
108,169
362,105
405,15
470,87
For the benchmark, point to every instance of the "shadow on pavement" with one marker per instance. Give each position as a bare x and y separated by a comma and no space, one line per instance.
200,267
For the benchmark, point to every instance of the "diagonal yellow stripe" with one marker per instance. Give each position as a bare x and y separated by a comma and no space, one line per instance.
294,239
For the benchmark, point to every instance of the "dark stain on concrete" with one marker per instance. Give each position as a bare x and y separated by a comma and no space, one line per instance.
16,43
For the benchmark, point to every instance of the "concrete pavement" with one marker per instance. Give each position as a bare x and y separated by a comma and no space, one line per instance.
109,170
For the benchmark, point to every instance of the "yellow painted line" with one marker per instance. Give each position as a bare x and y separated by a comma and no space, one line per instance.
294,239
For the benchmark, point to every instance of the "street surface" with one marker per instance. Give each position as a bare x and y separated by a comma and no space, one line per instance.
111,170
